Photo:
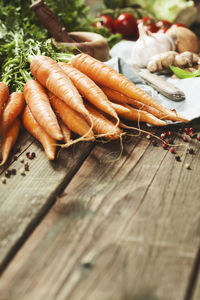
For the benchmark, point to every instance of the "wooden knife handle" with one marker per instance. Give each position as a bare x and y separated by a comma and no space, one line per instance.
50,21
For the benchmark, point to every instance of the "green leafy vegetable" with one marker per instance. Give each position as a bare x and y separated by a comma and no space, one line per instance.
180,73
16,52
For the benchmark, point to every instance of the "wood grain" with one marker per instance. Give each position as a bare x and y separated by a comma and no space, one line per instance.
25,198
123,229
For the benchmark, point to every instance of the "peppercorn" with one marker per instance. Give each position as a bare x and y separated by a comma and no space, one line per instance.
21,159
187,166
3,179
13,171
26,166
177,157
22,171
191,150
7,173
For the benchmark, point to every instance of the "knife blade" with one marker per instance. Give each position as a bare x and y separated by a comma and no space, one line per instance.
161,85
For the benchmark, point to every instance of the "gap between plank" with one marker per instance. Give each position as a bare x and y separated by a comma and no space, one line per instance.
45,209
193,277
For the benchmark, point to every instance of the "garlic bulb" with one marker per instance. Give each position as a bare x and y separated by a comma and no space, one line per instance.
148,45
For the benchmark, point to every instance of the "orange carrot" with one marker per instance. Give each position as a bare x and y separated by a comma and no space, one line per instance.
129,113
107,76
11,110
121,98
51,75
33,127
71,118
4,93
39,104
88,89
65,130
103,126
8,140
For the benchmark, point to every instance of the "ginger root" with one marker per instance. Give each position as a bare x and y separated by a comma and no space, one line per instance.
162,61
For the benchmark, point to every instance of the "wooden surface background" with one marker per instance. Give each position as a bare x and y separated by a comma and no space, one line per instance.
93,225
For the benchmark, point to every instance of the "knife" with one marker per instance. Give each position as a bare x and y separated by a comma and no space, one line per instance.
161,85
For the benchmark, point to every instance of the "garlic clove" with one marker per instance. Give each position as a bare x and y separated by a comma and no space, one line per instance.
148,45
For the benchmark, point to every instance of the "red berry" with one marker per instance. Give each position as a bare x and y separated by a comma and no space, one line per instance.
198,137
163,135
169,133
187,130
172,150
164,145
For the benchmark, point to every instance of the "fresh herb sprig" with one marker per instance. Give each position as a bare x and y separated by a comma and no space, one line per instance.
16,52
182,74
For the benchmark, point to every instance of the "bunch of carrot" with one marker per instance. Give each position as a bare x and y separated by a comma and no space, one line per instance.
85,97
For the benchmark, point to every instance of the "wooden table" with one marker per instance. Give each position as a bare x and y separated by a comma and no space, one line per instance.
95,225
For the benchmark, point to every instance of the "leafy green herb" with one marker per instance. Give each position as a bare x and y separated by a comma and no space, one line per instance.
16,52
180,73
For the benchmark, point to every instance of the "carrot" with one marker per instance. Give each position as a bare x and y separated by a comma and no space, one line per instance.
129,113
51,75
11,110
107,76
33,127
71,118
4,93
39,104
65,130
121,98
103,126
8,140
89,89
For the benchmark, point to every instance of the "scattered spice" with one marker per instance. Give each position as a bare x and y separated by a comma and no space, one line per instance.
26,166
187,166
163,135
191,150
31,155
22,171
164,145
169,133
13,171
21,159
148,136
177,157
172,150
7,173
3,179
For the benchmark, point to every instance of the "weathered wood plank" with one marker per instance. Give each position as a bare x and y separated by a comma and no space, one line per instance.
127,229
24,199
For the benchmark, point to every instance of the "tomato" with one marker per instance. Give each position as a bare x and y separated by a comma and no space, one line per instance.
163,24
106,21
126,25
148,23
